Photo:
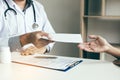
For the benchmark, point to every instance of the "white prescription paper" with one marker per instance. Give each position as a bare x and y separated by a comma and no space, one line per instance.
67,38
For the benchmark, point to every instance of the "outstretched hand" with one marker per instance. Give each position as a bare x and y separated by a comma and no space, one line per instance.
97,44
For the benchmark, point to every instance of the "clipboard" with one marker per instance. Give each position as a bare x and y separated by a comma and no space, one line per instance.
58,63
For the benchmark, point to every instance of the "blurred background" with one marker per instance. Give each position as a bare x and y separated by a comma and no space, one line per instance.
64,16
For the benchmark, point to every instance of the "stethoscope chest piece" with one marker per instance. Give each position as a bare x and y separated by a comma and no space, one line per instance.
35,25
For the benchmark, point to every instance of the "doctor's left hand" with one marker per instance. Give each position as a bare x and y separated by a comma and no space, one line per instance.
36,39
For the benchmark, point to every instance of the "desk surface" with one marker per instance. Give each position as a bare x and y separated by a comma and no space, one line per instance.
87,70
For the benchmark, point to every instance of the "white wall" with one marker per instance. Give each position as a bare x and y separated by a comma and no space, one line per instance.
64,16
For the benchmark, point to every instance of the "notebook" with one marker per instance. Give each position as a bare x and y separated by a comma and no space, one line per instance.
59,63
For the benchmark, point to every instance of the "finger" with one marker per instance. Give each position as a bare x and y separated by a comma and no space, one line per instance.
28,50
88,49
81,46
42,42
93,37
44,34
26,53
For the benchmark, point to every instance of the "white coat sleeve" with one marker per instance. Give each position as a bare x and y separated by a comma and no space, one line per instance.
47,27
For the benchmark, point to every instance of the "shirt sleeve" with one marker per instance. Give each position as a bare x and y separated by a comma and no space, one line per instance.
49,29
14,43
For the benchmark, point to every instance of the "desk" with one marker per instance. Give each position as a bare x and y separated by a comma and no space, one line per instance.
87,70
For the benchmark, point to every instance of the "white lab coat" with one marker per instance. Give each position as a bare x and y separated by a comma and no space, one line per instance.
14,25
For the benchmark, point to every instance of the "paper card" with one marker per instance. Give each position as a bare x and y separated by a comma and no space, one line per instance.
67,38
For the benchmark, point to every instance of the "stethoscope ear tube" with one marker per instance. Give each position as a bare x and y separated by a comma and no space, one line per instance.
34,12
34,26
5,13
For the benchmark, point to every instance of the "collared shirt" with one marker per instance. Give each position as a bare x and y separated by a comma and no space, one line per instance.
14,25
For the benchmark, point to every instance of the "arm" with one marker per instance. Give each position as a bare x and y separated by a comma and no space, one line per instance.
34,37
99,44
113,51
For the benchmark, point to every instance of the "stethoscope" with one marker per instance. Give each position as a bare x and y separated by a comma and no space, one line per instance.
34,26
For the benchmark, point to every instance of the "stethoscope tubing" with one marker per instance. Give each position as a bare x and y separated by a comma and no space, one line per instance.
35,25
34,12
11,9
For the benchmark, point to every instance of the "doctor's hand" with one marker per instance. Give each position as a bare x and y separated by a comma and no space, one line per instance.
98,44
36,39
30,49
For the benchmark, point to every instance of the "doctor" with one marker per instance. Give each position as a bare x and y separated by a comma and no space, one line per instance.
24,22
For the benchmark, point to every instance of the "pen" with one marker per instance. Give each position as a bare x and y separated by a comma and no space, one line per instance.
46,57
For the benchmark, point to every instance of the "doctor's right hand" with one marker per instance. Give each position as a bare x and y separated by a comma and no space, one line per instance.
36,39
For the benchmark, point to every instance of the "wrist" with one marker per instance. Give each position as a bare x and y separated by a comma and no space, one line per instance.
109,48
25,39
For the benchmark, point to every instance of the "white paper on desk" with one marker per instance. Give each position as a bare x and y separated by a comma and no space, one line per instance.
67,38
